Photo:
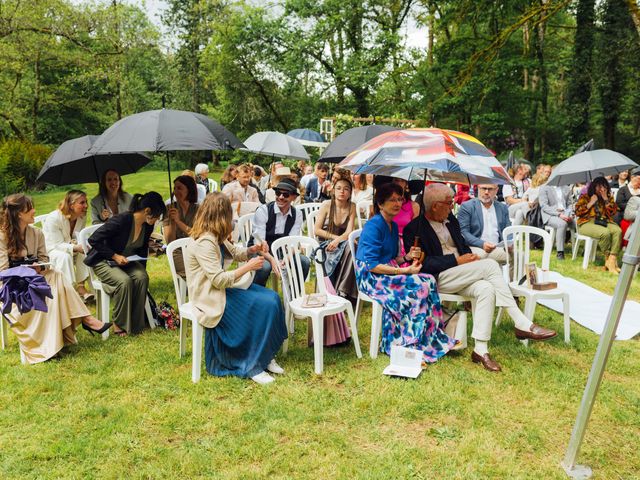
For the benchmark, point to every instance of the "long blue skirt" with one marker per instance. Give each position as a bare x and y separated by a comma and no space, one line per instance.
251,331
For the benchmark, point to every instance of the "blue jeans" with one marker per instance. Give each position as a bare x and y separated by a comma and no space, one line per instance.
262,275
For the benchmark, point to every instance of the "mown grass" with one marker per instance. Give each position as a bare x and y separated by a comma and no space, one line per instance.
127,408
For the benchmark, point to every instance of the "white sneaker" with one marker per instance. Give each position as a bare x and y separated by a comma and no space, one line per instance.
273,367
263,378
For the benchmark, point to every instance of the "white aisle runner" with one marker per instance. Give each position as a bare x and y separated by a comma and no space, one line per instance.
589,307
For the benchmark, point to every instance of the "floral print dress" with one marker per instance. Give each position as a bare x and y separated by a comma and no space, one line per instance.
411,311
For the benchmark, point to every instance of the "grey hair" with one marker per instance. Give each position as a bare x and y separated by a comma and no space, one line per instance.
435,192
201,168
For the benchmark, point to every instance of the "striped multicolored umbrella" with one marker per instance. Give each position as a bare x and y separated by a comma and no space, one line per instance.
428,153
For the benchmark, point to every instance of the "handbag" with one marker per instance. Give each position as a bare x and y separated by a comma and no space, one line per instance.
23,261
328,260
167,316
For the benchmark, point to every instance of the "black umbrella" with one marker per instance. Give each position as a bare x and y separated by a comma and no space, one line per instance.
71,163
351,140
587,147
167,131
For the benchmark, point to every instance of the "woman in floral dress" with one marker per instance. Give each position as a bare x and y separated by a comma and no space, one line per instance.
411,312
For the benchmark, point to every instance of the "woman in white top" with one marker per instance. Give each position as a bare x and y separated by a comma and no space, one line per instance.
361,191
111,199
514,194
60,233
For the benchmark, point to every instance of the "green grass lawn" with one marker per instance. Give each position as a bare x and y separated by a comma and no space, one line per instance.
127,407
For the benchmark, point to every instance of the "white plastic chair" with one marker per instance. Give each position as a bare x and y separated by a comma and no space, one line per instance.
242,231
363,209
306,209
103,300
311,224
40,219
590,248
289,249
518,237
185,310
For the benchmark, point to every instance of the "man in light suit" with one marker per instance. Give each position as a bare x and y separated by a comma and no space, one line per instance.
556,207
482,221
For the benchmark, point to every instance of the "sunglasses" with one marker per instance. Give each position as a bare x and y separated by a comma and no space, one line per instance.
282,193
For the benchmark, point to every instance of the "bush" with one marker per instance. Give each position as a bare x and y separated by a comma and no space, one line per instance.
20,163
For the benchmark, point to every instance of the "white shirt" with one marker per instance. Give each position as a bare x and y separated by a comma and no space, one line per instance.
560,198
362,195
262,215
490,221
508,191
443,234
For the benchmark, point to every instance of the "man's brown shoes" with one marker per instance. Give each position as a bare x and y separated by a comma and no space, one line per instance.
487,362
535,332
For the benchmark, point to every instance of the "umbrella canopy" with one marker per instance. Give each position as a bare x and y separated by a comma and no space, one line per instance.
24,287
165,130
584,167
71,163
350,140
276,144
586,147
306,134
428,153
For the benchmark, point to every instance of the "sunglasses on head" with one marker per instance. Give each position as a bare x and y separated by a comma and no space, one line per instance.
282,193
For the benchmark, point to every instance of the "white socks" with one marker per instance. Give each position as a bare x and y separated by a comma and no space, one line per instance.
481,347
519,319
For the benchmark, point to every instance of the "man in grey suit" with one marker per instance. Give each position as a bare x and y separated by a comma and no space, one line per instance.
556,207
482,221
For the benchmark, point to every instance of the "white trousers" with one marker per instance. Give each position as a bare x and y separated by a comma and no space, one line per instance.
498,254
71,266
518,211
481,280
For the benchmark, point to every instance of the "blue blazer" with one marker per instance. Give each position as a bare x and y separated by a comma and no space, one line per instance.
472,223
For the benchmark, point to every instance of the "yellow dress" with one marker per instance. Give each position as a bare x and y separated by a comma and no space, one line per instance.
43,334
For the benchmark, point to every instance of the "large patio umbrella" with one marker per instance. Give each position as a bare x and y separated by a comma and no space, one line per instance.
351,140
430,154
167,131
584,167
276,144
71,163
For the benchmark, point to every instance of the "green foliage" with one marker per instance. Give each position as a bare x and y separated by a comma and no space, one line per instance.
20,163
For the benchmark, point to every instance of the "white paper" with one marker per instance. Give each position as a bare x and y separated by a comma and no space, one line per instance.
136,258
405,362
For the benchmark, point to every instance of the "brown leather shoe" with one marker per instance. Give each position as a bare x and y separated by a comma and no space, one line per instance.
487,362
536,332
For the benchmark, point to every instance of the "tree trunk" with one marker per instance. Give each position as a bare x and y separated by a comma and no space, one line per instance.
35,109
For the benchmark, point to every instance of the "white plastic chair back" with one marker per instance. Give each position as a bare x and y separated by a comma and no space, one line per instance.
311,224
243,229
518,237
363,209
305,209
288,250
244,208
40,219
179,284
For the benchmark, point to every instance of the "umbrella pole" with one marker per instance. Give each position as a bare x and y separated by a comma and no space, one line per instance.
169,173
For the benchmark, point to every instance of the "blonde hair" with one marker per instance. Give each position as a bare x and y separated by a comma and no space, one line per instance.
245,168
188,173
69,199
214,216
537,180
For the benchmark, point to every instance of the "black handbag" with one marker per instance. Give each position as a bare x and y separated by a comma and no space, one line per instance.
23,261
599,219
534,219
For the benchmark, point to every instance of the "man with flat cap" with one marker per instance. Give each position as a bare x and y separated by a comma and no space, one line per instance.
275,220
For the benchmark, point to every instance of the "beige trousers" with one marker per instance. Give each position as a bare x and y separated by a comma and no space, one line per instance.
498,254
482,281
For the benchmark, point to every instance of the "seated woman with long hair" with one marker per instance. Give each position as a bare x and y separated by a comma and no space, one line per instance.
60,234
180,216
243,328
126,281
595,212
111,199
411,310
41,334
334,223
228,176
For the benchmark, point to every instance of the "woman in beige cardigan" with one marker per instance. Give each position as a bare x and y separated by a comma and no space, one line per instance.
243,328
41,334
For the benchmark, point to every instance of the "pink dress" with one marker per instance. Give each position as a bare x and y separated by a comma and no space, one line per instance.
402,219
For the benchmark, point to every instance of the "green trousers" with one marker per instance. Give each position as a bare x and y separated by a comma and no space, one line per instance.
609,237
127,287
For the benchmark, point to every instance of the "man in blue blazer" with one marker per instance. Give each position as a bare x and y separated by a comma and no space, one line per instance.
482,221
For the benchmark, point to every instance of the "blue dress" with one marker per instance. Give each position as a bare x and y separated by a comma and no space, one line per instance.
411,310
251,331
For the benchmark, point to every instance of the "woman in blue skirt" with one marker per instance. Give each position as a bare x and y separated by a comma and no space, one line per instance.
243,328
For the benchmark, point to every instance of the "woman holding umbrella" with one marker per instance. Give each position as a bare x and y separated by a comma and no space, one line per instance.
595,213
111,199
41,334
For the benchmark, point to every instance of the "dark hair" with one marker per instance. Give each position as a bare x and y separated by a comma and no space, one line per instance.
322,166
102,186
384,192
192,189
332,205
591,190
12,205
151,200
257,171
